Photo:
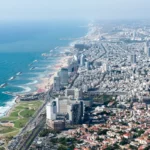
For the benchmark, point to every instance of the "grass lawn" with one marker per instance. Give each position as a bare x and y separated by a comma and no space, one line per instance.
27,113
20,123
8,118
20,115
6,129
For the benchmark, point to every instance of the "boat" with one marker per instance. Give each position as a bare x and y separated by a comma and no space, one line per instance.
12,78
19,73
3,85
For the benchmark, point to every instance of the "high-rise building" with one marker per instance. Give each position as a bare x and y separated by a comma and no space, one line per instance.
52,108
75,112
87,65
56,85
133,58
82,60
50,115
105,67
148,52
146,47
72,66
63,74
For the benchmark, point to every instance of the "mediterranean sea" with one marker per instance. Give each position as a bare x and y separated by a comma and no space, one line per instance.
21,46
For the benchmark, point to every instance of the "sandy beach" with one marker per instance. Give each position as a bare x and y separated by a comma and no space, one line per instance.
47,82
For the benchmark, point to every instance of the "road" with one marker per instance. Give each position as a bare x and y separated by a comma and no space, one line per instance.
32,126
32,135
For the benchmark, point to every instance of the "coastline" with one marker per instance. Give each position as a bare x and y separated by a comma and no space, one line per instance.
7,120
42,87
46,82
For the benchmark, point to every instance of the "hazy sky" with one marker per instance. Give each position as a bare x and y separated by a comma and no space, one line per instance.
67,9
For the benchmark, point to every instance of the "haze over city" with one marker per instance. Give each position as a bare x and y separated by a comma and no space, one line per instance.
75,75
75,9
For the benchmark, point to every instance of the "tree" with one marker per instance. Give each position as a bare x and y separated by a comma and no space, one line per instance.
124,141
44,133
62,140
147,148
62,147
99,139
54,140
102,132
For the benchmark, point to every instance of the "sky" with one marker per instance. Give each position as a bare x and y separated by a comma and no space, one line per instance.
11,10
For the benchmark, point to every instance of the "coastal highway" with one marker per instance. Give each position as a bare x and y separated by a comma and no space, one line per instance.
26,144
32,128
35,118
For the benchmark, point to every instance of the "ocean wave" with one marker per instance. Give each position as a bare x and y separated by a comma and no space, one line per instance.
26,89
8,105
33,82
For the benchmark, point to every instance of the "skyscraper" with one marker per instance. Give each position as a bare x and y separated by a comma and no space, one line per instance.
87,65
148,52
82,60
52,108
75,112
133,59
146,47
56,85
50,115
63,74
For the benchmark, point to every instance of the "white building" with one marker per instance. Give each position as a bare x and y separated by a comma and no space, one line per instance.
82,60
52,108
105,67
50,115
87,65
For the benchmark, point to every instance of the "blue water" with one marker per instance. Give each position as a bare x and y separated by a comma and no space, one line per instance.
21,44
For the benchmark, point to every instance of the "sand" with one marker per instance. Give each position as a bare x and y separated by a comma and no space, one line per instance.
47,82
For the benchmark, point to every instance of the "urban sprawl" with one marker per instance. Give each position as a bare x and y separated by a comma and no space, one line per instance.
101,100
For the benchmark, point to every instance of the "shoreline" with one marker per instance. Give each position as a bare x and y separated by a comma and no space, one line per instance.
42,87
46,81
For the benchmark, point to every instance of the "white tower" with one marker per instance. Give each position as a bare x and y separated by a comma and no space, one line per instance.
50,115
82,60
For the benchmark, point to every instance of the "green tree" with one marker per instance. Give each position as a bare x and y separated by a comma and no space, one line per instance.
62,147
124,141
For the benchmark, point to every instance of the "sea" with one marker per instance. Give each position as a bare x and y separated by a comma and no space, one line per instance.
21,47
